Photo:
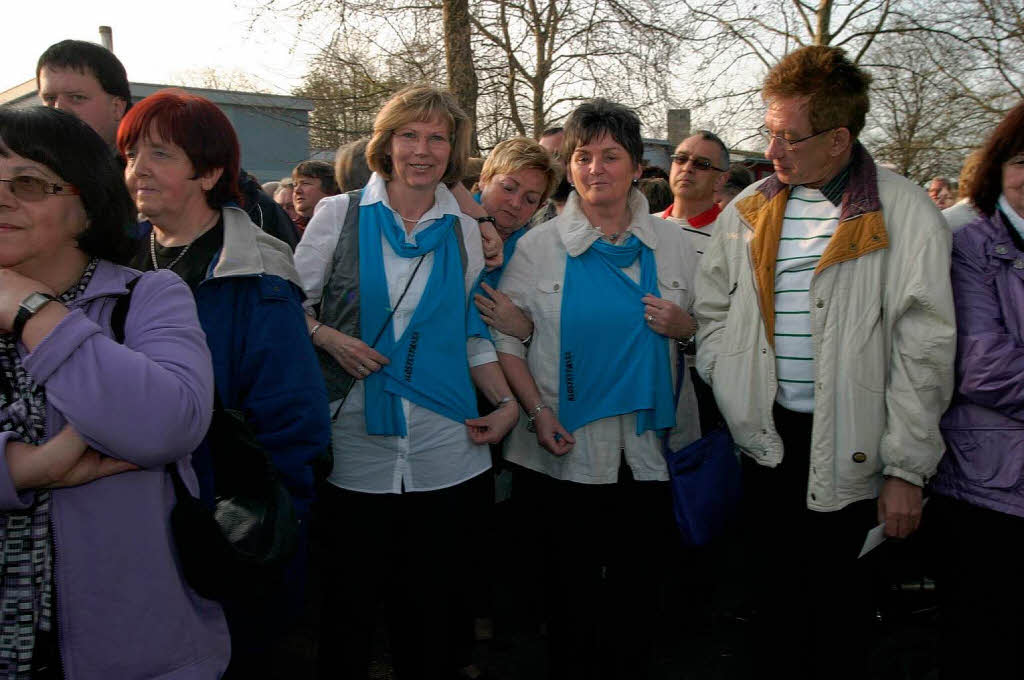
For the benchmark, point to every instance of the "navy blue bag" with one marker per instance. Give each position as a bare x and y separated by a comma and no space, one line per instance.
706,481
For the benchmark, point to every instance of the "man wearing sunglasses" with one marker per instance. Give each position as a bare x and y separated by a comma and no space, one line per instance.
827,334
699,168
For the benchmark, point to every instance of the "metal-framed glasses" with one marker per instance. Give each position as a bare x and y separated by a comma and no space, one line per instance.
29,188
698,162
788,144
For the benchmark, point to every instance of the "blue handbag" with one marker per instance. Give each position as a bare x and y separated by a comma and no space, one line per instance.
706,481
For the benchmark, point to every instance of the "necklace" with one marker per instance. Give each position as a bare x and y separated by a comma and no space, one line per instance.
152,244
406,219
152,252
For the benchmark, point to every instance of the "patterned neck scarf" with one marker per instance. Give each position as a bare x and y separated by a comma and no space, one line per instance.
26,548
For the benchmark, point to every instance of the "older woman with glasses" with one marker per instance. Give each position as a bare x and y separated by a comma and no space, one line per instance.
606,286
388,272
93,409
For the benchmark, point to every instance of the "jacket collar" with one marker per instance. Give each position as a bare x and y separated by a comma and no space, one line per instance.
108,279
578,234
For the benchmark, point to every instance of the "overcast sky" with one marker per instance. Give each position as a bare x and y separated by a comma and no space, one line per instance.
156,41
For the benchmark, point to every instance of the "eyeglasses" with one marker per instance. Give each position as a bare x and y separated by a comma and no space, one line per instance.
788,144
699,163
28,188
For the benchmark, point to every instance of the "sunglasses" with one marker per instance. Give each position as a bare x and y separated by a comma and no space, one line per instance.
699,163
28,188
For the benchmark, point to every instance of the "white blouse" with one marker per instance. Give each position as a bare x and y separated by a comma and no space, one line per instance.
437,453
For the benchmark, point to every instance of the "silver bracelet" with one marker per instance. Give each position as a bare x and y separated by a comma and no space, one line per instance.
313,331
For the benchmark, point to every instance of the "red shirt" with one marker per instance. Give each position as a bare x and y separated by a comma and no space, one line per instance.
697,221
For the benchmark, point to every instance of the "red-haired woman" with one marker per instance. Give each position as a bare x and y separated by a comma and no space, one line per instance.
182,170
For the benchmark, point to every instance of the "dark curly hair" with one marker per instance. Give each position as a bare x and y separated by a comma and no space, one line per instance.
74,151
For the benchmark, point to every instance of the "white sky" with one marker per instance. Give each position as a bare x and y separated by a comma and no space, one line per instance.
158,42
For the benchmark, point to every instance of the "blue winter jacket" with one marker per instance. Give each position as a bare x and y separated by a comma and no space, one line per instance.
250,307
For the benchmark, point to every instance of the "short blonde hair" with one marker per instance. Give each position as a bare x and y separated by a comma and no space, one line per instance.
520,153
350,169
419,103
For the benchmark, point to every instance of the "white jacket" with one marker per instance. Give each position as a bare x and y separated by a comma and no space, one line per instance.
534,280
883,325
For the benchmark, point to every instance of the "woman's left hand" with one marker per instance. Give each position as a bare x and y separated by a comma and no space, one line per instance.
14,288
667,318
499,312
490,429
65,460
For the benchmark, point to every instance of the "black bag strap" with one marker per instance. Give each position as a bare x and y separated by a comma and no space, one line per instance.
120,314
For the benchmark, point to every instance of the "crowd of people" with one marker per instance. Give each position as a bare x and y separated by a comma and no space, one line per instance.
393,329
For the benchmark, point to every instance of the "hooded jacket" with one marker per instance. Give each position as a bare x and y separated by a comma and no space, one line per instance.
882,320
250,306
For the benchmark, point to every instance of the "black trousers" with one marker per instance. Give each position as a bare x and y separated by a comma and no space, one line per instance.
603,570
813,599
981,594
413,551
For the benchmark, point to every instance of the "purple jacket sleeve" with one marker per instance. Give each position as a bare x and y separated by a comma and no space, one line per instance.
148,401
989,361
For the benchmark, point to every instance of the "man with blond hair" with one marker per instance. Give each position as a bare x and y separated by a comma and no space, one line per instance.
827,334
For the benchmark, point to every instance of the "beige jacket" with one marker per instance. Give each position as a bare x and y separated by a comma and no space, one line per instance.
883,325
533,279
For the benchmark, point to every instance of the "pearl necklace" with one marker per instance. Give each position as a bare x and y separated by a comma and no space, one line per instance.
152,245
152,252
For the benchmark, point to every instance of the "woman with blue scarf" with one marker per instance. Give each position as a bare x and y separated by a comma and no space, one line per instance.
388,272
606,286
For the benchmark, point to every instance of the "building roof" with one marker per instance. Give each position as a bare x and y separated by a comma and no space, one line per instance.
26,93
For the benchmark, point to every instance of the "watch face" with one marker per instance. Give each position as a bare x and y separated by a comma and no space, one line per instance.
34,302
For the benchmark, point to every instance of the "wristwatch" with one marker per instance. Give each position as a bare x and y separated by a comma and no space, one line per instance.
486,218
531,416
27,309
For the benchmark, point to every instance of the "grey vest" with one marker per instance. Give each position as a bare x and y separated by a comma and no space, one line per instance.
339,301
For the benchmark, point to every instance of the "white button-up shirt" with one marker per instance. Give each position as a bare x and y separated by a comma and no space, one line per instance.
437,453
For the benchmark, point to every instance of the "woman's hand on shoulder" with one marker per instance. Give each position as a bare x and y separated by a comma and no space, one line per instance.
65,460
499,312
667,318
551,435
493,427
14,288
355,356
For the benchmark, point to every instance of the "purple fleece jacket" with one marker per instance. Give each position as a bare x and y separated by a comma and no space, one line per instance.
123,608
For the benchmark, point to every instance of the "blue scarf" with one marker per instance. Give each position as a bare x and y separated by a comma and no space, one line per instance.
428,363
611,361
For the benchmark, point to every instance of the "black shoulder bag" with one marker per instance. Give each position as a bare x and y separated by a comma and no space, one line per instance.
252,530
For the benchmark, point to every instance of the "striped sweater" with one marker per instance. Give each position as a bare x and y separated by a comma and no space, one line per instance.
810,221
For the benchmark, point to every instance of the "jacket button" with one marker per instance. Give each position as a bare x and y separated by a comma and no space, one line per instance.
675,284
555,287
1018,264
853,246
764,351
859,457
1001,250
820,303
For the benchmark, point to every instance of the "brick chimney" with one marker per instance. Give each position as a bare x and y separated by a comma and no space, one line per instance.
678,126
